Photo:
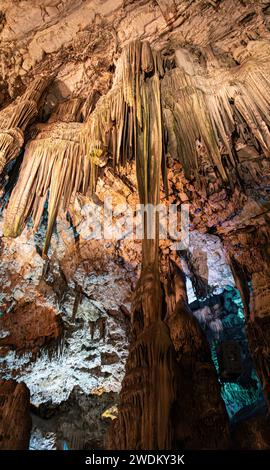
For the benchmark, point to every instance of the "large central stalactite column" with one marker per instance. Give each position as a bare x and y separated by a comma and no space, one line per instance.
148,390
159,378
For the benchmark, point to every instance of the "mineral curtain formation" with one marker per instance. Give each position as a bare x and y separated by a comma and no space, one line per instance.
64,157
154,105
15,118
207,109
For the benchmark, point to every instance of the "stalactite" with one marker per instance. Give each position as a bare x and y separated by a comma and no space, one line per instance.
11,142
124,118
202,109
65,158
148,388
15,118
52,164
68,111
197,110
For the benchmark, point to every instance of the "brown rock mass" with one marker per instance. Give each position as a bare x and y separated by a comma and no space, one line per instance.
15,422
29,327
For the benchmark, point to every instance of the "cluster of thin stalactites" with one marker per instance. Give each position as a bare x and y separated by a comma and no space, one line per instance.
148,111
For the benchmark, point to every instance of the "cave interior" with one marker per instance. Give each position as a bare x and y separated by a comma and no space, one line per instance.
110,340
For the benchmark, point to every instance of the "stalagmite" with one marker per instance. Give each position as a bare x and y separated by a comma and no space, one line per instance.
148,391
15,423
199,416
251,273
258,329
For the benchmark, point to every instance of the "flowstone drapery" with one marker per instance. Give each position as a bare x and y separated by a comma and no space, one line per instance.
15,118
